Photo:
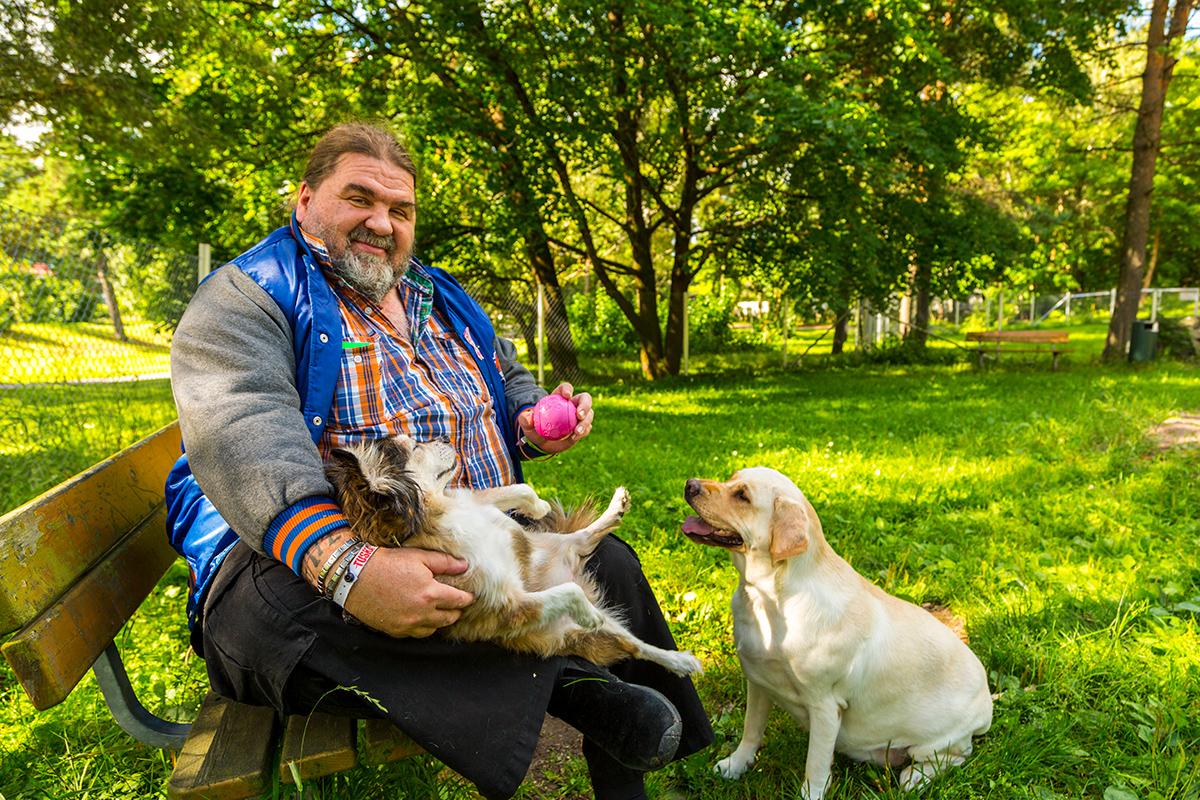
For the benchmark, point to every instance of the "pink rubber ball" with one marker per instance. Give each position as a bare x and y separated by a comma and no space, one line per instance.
554,417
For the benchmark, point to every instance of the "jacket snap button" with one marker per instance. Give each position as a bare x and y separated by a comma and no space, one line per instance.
324,338
317,421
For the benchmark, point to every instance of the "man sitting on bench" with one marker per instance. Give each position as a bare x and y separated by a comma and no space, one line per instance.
328,332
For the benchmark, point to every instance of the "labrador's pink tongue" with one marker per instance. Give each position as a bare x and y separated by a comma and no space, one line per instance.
694,524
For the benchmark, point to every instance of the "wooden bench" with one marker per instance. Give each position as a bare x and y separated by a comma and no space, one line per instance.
1031,341
76,563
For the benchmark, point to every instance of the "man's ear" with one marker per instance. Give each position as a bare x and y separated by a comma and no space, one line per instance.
789,529
303,201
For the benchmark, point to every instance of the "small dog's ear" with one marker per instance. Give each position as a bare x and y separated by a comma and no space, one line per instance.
408,505
342,467
790,526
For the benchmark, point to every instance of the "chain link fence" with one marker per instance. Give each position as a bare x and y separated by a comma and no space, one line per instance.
86,320
85,326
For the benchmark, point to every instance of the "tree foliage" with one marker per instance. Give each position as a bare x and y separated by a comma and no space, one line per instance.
829,152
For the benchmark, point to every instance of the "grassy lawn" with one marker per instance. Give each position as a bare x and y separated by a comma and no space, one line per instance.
49,433
67,351
1031,502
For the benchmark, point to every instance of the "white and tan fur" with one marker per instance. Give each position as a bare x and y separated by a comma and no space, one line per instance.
870,675
531,592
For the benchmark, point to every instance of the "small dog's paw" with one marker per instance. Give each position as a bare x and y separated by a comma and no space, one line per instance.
538,509
620,502
591,618
683,663
731,768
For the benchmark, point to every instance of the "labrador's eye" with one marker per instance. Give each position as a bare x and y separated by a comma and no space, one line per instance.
741,494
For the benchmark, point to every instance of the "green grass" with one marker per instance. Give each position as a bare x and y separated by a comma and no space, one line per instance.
68,351
1029,501
49,433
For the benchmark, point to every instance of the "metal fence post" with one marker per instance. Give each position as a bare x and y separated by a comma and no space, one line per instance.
1112,303
203,261
1068,306
541,333
1000,312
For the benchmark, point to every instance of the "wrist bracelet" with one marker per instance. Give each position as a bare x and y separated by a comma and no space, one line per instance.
340,569
342,590
329,562
526,447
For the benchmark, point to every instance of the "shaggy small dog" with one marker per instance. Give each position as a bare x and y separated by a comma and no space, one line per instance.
531,592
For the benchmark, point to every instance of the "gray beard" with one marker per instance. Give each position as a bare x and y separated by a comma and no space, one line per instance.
369,275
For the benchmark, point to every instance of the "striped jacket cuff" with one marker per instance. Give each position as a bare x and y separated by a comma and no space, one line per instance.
298,526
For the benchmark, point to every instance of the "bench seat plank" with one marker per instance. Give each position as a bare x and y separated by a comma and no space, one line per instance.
53,652
228,754
383,743
46,544
319,745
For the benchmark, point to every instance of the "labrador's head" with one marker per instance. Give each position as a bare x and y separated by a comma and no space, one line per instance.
758,511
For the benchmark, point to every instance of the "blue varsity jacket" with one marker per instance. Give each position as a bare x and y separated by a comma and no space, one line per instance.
285,267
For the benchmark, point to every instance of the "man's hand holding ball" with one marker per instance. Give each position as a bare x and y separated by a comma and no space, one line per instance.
558,421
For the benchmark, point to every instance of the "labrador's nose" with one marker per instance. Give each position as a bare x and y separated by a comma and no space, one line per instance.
691,488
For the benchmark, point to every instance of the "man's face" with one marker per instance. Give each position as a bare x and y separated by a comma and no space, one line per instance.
364,211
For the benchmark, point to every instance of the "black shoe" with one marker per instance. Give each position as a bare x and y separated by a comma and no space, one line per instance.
635,725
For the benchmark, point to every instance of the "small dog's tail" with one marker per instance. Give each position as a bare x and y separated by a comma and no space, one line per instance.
559,520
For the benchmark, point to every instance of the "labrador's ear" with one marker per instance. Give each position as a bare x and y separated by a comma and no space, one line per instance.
790,525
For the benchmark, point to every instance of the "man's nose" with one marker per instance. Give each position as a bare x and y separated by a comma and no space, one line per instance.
691,488
380,221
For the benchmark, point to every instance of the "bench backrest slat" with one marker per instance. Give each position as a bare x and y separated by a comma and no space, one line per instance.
56,649
1030,337
48,543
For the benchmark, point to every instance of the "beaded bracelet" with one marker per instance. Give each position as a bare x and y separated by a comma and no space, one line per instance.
342,589
340,569
329,562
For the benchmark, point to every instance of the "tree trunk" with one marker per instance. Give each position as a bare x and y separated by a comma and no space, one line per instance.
841,327
1153,260
110,297
654,363
560,344
918,308
1160,63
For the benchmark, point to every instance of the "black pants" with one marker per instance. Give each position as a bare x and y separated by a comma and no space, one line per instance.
268,639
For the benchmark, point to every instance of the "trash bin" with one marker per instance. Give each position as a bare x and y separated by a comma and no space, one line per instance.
1143,340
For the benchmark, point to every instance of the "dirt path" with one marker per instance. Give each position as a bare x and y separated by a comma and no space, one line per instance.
1180,431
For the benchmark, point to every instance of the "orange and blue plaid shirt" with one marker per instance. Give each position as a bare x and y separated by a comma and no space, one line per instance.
425,384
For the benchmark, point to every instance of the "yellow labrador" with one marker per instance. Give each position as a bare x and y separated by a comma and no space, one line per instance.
870,675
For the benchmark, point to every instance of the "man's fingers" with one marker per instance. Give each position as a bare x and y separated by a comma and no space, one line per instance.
447,598
440,563
565,389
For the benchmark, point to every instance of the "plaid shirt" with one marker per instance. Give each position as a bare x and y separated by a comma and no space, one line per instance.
425,384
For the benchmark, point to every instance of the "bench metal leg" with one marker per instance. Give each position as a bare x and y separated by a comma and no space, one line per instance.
128,711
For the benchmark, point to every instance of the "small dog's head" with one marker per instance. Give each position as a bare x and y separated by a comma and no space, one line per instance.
758,511
384,486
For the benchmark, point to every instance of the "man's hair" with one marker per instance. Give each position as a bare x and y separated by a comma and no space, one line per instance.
355,137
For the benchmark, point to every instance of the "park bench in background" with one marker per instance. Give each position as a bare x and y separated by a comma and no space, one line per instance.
76,563
995,343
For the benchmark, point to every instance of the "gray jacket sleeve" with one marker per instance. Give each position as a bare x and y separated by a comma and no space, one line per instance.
520,389
233,375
